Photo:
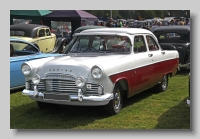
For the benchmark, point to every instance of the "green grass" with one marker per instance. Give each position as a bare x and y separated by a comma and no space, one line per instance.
147,110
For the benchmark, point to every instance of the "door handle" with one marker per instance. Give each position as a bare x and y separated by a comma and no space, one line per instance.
150,55
162,53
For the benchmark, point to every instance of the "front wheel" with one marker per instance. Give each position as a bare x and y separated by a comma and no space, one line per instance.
164,84
115,105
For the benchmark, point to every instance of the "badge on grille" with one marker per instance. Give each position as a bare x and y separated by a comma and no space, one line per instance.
89,86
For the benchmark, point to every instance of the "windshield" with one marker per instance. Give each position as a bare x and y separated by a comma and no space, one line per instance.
102,43
21,46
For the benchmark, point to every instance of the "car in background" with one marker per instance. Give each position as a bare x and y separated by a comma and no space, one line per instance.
20,52
147,24
165,22
175,38
78,30
40,35
103,68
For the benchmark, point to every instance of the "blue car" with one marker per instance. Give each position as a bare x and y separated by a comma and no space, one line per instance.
20,52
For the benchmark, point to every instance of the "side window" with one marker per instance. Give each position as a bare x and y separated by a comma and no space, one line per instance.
81,44
151,43
48,33
139,44
98,43
41,33
118,44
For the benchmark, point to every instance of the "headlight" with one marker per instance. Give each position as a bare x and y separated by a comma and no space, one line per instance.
96,72
36,79
26,69
80,82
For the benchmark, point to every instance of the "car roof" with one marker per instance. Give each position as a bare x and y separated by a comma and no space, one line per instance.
26,26
120,30
29,29
177,28
88,27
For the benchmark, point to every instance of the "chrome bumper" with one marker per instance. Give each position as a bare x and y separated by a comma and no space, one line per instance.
78,99
187,66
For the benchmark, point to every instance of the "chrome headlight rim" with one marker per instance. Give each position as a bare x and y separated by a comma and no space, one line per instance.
80,84
97,68
36,79
29,65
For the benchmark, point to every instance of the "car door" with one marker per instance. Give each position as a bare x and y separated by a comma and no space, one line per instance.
142,64
158,59
41,40
50,42
157,62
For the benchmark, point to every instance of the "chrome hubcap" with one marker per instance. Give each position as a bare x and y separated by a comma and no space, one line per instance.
164,82
117,99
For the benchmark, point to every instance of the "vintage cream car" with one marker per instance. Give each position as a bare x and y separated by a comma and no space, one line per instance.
103,67
40,36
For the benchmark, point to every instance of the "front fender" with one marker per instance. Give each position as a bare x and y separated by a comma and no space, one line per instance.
60,42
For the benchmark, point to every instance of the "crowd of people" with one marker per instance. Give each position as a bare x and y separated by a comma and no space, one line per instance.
174,22
113,23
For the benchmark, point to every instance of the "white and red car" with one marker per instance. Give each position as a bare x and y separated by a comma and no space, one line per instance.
103,67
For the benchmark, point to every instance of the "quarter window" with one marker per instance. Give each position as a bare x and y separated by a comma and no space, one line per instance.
41,33
151,44
48,33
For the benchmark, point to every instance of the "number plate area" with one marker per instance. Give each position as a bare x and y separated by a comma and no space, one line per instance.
57,96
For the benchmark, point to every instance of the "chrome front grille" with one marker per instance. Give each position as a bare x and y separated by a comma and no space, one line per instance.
64,86
60,86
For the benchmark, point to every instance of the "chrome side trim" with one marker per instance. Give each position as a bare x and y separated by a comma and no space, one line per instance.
18,87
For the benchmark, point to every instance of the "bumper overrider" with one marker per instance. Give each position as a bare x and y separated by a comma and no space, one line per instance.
188,102
67,99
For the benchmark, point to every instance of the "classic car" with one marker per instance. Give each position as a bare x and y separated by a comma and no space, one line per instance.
175,38
165,22
141,24
40,35
20,52
103,68
78,30
188,99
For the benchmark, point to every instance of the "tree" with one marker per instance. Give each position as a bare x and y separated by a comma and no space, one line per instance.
159,13
149,14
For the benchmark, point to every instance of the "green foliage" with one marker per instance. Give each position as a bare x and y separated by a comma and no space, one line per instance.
147,110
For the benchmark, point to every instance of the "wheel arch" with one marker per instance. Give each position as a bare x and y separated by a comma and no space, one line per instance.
59,44
123,82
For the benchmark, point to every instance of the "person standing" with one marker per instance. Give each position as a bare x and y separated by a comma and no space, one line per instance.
172,23
108,24
187,22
